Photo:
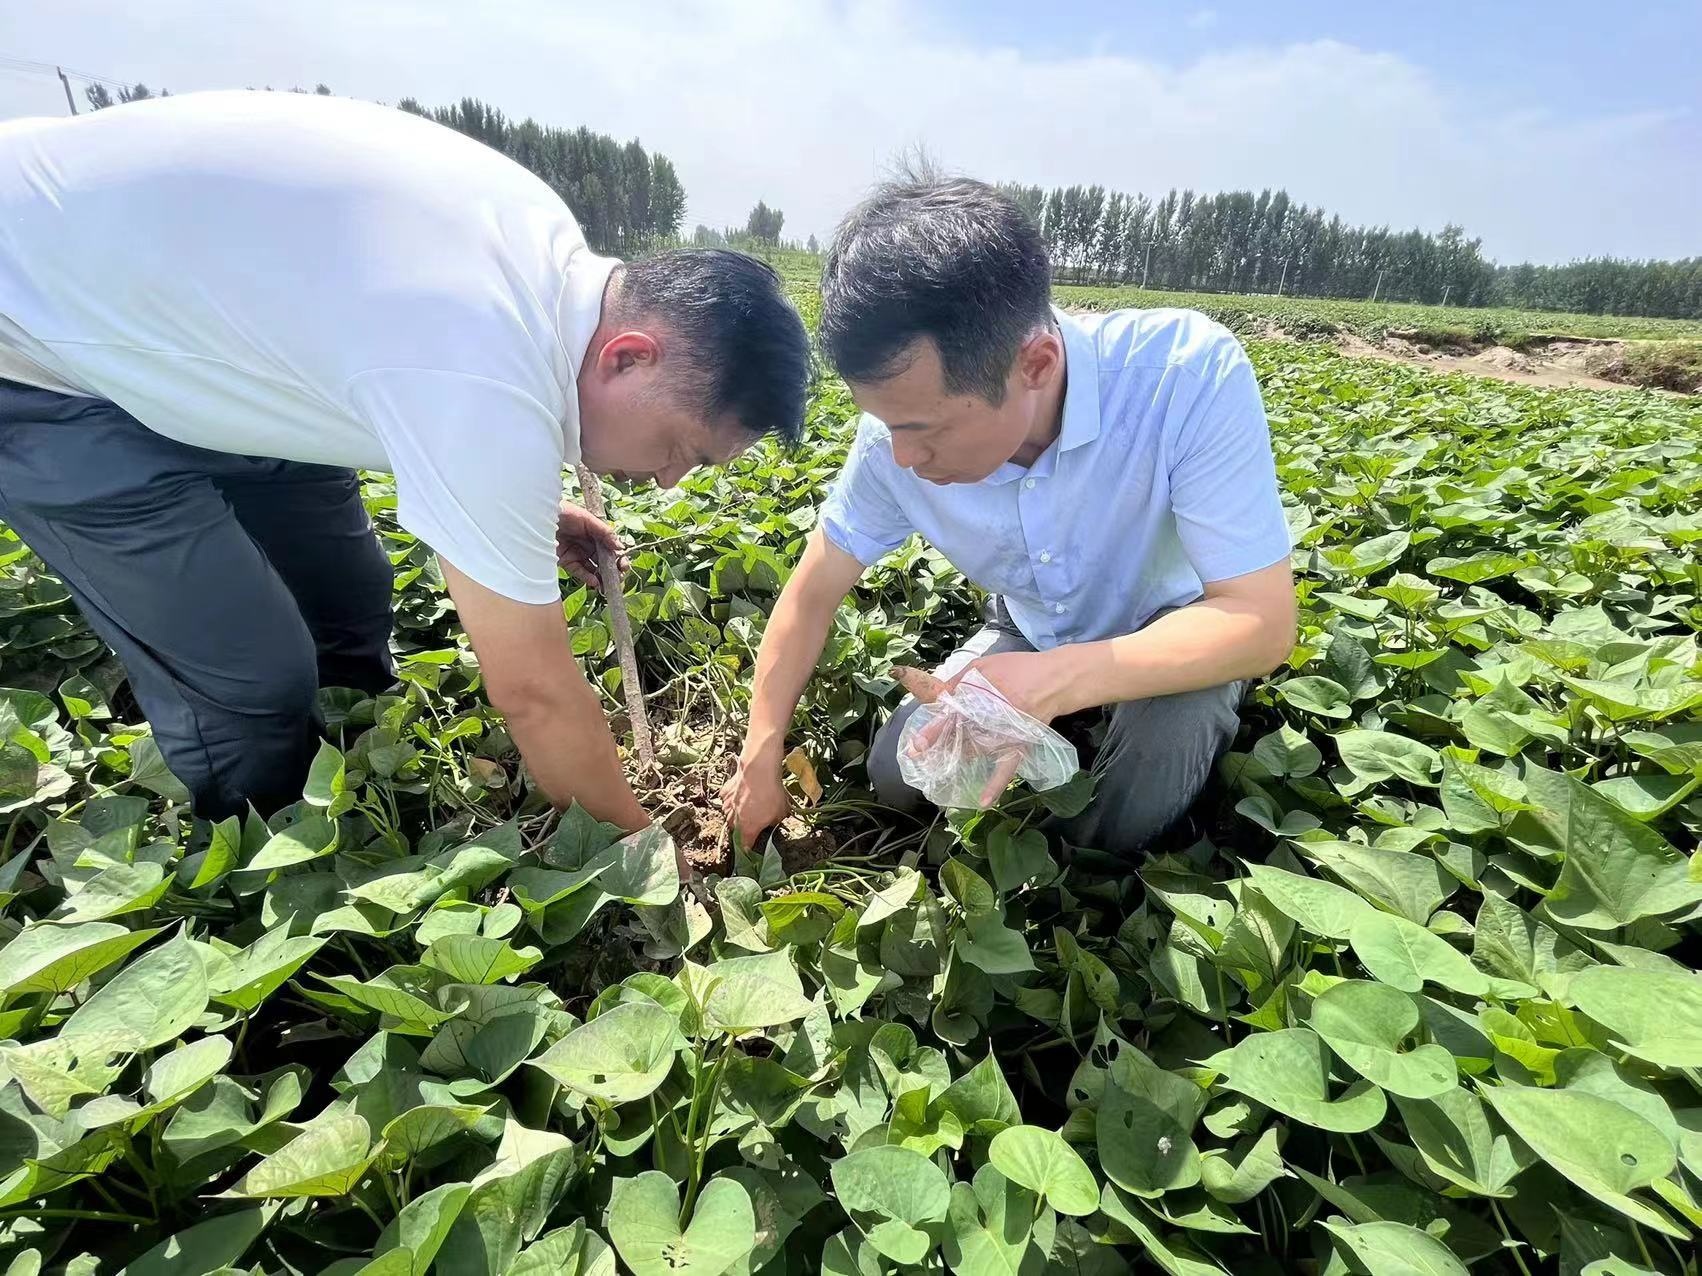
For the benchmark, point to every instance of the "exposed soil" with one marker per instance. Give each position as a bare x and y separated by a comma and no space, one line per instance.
1554,361
1559,364
802,846
689,795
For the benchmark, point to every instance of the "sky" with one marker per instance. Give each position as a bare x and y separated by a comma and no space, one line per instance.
1551,130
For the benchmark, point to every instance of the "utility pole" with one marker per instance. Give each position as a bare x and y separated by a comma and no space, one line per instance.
1148,267
1445,288
1284,278
1379,287
69,100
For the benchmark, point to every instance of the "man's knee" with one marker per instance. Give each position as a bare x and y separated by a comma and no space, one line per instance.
254,746
1157,758
885,777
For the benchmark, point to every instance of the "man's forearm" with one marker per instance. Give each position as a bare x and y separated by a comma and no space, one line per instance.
791,645
565,740
1205,644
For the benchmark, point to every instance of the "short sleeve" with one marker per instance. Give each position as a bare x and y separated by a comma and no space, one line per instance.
1223,485
478,472
861,516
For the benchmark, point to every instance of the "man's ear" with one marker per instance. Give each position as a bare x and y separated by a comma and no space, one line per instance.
1039,358
627,350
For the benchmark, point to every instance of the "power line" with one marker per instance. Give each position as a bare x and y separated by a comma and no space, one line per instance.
48,68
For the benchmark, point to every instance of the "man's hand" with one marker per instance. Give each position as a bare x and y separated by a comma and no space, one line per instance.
578,538
1035,682
754,799
552,713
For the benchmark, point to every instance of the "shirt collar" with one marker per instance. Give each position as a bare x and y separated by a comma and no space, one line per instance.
1081,405
580,309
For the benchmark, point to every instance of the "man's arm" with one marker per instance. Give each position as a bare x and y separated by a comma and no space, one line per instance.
755,798
1242,628
553,714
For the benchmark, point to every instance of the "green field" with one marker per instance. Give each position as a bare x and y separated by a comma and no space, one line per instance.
1251,314
1422,999
1243,312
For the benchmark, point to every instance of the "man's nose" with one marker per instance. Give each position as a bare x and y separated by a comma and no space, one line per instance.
909,454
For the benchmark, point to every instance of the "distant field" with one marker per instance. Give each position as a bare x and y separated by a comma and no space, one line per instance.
1314,316
1322,317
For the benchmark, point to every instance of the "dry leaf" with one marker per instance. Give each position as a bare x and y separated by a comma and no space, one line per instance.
799,765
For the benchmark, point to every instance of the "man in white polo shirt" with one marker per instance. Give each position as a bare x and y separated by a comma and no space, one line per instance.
1106,479
215,308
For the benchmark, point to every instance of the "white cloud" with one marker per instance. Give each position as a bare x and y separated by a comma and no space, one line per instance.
800,101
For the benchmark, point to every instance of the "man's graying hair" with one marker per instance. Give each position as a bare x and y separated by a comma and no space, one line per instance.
747,353
948,259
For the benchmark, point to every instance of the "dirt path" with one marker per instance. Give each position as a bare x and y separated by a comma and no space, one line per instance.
1558,366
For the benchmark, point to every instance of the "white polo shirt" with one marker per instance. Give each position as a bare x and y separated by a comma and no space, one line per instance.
313,279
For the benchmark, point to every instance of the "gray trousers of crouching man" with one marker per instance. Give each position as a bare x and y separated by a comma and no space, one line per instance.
1156,757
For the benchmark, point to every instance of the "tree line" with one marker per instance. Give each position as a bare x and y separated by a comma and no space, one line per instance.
1237,241
760,233
626,198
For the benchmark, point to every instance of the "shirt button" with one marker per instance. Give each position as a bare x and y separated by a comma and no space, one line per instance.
1045,555
1060,609
1028,482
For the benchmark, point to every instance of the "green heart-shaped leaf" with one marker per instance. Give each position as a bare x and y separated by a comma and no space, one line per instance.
621,1055
644,1224
1289,1070
1041,1161
1365,1024
1654,1015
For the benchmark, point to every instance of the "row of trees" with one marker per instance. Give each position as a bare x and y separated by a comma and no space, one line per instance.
1606,286
1241,242
760,232
100,97
624,197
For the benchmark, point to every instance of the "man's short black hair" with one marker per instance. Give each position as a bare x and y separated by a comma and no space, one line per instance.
745,345
945,258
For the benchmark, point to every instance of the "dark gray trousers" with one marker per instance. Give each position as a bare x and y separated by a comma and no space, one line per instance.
230,587
1155,760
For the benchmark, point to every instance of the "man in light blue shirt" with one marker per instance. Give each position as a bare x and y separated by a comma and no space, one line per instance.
1107,480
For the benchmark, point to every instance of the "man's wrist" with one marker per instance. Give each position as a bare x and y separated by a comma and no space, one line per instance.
1078,678
764,746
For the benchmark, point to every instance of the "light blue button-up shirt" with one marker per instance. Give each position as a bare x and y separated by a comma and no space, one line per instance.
1160,479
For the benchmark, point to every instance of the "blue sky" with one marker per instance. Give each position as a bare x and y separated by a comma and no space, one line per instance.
1551,130
1563,55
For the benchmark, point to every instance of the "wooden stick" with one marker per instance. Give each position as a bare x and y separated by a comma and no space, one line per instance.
609,570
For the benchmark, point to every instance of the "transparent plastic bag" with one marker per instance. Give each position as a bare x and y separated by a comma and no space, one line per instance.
952,749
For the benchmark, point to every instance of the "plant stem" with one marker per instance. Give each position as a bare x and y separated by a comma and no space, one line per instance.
390,1192
93,1216
703,1139
1223,996
145,1174
614,598
1358,1159
108,1197
1643,1246
366,1209
1514,1246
